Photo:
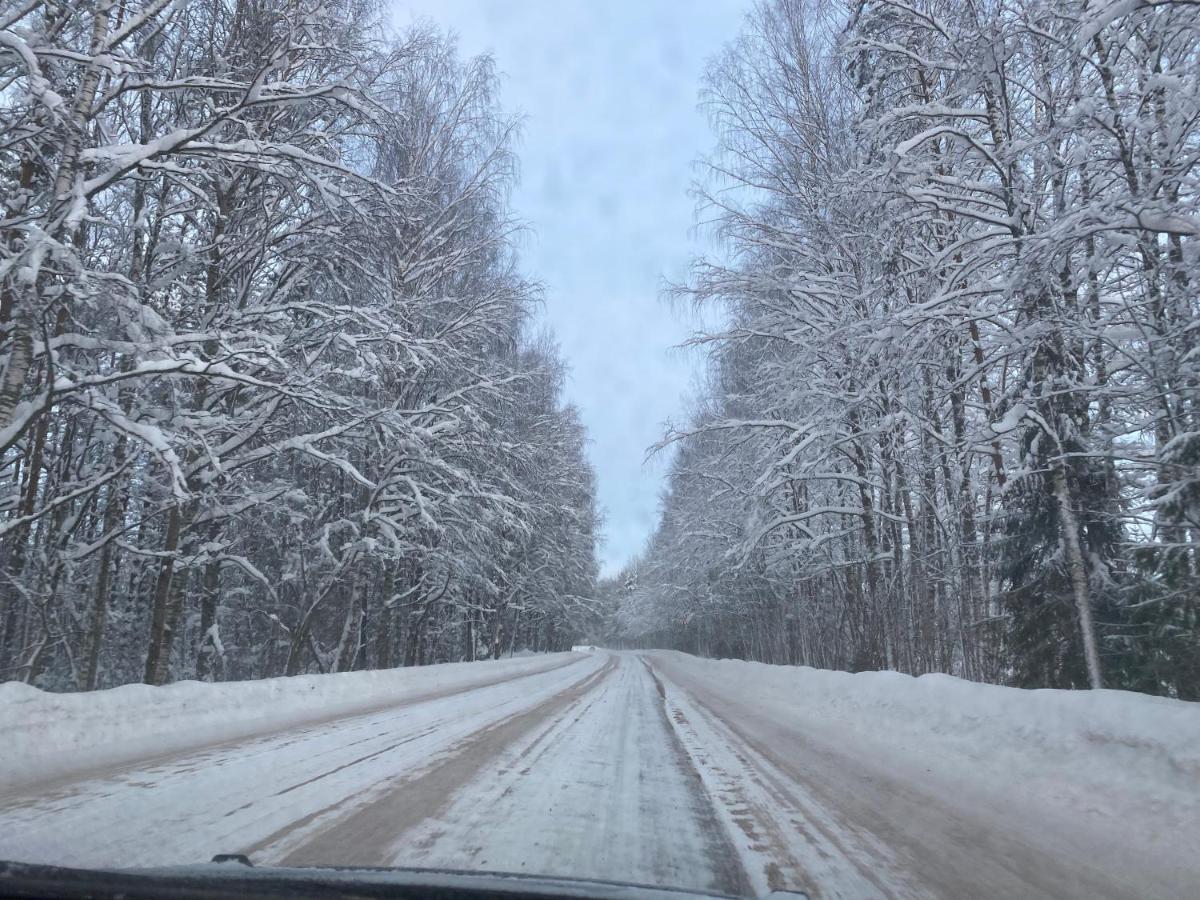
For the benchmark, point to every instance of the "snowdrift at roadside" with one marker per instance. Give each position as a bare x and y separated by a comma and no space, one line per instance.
44,735
1104,752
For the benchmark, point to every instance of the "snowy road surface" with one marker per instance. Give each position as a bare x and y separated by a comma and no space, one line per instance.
620,766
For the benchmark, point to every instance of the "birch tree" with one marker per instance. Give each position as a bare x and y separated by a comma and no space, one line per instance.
262,319
946,424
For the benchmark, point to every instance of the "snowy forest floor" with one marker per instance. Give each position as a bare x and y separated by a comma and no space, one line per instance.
653,767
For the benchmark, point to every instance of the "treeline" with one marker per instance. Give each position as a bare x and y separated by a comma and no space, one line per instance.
953,423
269,400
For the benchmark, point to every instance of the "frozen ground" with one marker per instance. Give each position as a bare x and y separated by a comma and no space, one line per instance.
654,767
46,734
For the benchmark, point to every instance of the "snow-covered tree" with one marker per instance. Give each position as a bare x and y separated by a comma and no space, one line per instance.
262,334
948,422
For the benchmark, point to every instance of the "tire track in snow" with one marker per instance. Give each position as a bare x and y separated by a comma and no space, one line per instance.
187,807
64,784
784,843
599,790
840,826
363,835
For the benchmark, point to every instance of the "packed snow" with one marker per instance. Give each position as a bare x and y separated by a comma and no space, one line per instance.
656,767
51,734
1100,741
970,781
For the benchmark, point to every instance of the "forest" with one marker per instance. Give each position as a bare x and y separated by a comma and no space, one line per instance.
272,396
951,417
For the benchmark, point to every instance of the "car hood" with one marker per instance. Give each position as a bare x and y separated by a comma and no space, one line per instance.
230,876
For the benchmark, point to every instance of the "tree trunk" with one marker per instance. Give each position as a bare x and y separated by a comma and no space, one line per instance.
1077,568
209,653
162,621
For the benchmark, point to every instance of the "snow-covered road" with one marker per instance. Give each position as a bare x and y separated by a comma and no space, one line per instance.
633,767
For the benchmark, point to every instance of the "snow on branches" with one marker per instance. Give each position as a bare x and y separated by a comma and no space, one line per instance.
950,420
263,353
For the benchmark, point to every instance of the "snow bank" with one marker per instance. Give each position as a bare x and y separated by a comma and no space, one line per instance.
45,735
1065,747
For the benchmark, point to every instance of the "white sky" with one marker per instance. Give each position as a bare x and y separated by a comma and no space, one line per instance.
609,91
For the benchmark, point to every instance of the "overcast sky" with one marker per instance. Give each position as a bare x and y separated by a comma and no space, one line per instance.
609,95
